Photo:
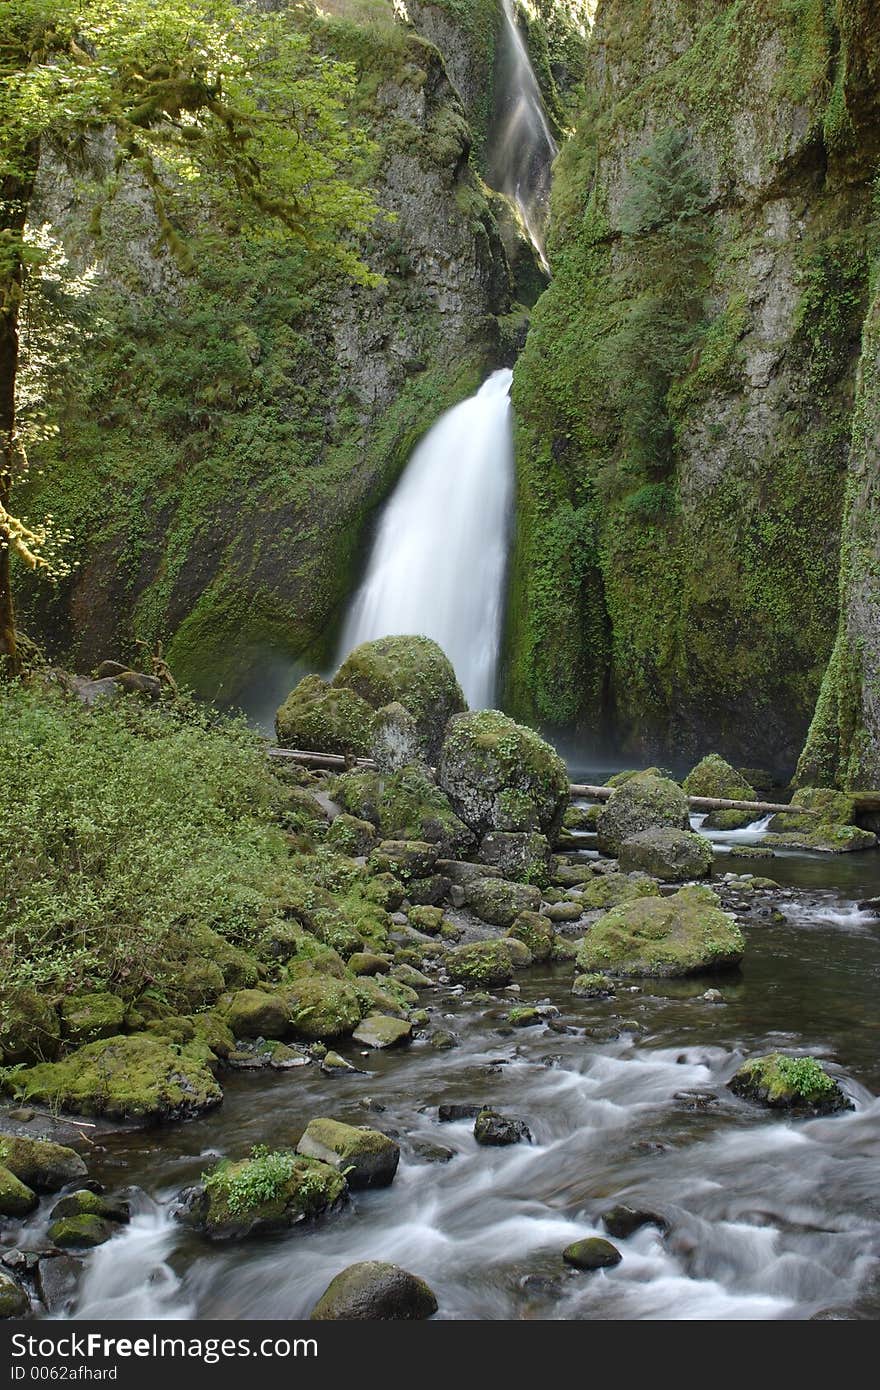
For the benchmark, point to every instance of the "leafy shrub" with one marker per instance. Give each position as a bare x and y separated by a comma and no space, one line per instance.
122,825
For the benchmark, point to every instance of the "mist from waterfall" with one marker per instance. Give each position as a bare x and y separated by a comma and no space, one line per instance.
438,561
522,148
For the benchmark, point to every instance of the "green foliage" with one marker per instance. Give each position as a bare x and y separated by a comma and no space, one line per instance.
261,1179
123,827
804,1075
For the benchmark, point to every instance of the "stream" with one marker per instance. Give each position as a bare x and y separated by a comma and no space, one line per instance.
768,1217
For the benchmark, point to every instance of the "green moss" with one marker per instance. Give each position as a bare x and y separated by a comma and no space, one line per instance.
270,1190
681,935
790,1083
136,1077
16,1198
482,965
323,718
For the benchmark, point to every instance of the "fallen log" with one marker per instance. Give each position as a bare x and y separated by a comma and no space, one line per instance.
577,790
582,790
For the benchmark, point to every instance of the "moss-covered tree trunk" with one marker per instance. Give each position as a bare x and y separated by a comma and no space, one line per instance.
15,196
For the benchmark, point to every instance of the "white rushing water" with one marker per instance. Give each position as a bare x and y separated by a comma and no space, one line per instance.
523,148
438,561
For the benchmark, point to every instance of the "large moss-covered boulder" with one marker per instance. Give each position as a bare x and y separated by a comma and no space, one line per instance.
87,1017
322,1006
712,776
498,901
351,835
685,934
411,671
480,965
799,1084
267,1192
16,1198
41,1164
324,718
30,1029
644,802
500,775
407,805
670,855
609,890
367,1157
523,855
255,1013
375,1292
126,1078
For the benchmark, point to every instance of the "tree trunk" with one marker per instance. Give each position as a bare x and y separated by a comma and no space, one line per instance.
15,196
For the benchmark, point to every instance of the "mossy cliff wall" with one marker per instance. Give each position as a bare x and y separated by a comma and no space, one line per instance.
685,401
225,438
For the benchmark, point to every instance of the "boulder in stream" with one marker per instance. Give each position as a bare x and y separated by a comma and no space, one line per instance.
496,1131
684,934
376,1292
667,854
481,965
138,1077
712,776
16,1198
644,801
367,1157
592,1253
267,1192
381,1031
522,855
41,1164
14,1302
798,1084
87,1017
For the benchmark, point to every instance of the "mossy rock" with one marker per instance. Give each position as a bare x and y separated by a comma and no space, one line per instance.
30,1029
594,985
14,1302
87,1203
412,807
359,794
480,965
199,982
367,1157
831,831
499,902
643,802
535,931
712,776
426,919
213,1032
610,890
125,1078
87,1017
260,1195
411,671
375,998
405,859
523,855
395,741
408,975
385,890
16,1198
500,775
367,963
39,1163
322,1007
670,855
592,1253
255,1013
381,1030
375,1292
582,818
520,955
324,719
350,835
798,1084
81,1232
685,934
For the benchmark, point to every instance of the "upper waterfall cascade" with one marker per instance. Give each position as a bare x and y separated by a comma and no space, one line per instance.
522,145
438,561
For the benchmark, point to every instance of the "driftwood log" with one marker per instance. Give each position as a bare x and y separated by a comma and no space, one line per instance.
578,790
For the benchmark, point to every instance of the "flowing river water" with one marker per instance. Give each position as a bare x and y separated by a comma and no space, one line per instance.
768,1217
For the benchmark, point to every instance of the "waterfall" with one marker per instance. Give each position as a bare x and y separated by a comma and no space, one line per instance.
523,149
438,561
